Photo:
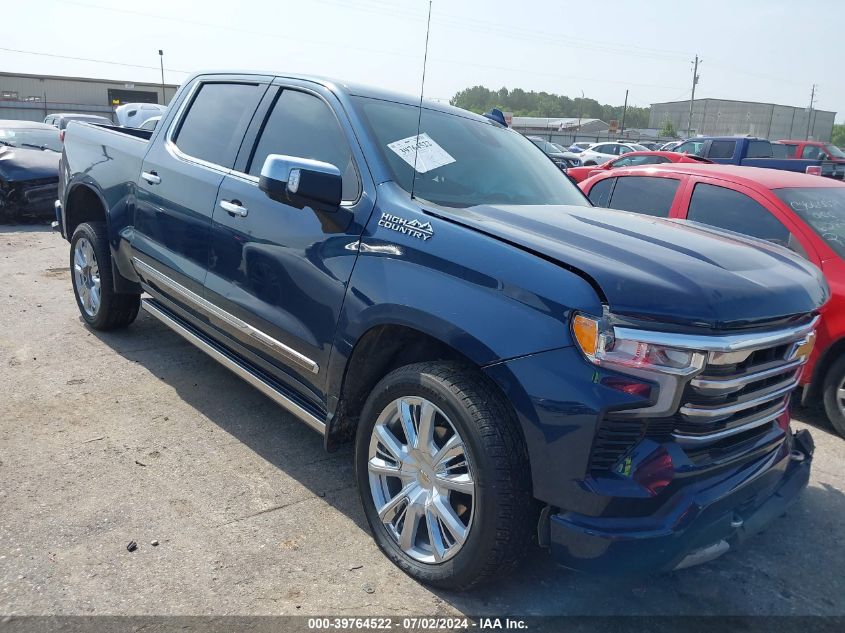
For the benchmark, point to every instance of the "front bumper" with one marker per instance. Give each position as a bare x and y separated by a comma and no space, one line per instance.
29,198
699,523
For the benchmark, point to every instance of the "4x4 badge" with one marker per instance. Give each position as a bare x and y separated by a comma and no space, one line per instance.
413,228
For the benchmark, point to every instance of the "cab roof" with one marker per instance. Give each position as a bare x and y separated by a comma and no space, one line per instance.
769,178
353,89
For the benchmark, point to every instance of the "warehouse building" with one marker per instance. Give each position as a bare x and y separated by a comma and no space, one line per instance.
542,125
724,117
33,97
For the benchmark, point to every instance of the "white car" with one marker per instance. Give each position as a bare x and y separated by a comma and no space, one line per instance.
600,153
134,114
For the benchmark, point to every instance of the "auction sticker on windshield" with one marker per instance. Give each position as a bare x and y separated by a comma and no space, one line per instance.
426,153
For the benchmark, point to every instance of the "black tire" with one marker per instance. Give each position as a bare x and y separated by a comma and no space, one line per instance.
115,310
590,164
833,380
502,523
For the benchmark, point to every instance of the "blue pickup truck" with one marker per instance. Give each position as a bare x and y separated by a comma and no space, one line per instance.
512,364
756,152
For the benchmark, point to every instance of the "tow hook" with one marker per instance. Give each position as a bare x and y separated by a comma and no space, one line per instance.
803,446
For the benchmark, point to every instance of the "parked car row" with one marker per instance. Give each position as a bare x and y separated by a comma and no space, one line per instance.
800,212
561,157
633,159
510,362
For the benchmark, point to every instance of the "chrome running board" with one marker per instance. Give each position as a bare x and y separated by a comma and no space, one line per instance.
235,366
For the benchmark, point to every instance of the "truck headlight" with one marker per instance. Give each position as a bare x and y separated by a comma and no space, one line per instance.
598,343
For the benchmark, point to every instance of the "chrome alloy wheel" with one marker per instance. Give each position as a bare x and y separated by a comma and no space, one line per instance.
421,480
86,273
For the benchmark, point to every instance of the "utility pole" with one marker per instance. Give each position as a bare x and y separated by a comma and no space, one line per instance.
580,111
695,78
624,108
810,111
161,61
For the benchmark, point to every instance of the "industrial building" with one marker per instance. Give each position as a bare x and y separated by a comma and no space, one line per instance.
544,125
33,97
724,117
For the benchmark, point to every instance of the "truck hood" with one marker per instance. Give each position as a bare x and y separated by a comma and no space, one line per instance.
20,164
667,271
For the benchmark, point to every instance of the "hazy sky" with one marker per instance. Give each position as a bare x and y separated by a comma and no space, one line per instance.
760,50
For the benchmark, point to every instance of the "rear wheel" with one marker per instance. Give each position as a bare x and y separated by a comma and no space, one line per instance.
834,395
91,273
443,475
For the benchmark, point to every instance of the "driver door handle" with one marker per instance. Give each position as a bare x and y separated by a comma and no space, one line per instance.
234,207
151,177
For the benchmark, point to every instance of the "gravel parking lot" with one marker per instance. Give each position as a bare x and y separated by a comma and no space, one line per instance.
136,435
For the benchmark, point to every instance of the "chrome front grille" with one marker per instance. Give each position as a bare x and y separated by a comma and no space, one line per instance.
739,393
718,404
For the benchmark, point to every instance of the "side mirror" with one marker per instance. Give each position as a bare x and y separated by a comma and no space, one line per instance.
301,182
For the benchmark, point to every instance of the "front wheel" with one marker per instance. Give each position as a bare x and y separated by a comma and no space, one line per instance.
443,475
90,267
833,391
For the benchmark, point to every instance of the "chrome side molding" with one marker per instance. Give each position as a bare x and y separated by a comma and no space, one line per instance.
237,368
214,311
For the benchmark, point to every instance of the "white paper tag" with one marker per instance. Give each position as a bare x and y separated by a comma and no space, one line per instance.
429,155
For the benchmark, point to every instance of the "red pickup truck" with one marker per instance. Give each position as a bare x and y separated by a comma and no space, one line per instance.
814,150
801,212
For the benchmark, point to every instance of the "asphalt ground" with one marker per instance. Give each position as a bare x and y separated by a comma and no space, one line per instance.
137,436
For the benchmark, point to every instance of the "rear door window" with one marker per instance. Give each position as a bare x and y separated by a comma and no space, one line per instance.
735,211
214,126
600,193
649,195
759,149
722,149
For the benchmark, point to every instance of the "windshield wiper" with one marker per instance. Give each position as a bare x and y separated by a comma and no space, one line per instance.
7,143
41,147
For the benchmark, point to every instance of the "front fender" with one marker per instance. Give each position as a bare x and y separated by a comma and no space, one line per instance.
487,299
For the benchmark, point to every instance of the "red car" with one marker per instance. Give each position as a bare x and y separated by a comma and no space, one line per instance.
633,159
815,150
801,212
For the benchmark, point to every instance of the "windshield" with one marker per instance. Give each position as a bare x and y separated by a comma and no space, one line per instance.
462,162
823,208
834,151
638,147
32,138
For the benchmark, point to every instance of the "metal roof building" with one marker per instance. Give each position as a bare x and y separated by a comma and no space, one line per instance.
531,124
725,117
33,97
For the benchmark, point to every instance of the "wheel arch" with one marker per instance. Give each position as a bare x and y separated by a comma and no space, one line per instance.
85,203
813,390
379,350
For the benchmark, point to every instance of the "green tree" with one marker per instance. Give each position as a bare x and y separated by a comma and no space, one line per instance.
544,104
668,129
838,136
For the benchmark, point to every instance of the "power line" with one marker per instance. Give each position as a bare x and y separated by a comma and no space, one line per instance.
90,59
